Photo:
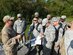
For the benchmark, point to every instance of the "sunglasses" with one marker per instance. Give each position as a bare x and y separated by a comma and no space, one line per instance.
34,20
11,20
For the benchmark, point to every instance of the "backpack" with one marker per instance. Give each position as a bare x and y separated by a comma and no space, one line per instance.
63,28
32,27
56,33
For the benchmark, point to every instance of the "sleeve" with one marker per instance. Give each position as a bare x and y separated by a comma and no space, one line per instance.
25,26
30,29
40,28
6,40
5,37
15,27
49,34
66,41
66,38
52,35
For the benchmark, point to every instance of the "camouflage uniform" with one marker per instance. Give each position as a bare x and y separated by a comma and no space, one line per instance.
33,30
62,47
58,35
44,21
68,40
63,23
9,43
49,38
36,29
57,43
19,26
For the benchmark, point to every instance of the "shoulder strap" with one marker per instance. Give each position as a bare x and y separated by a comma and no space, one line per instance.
56,33
64,29
60,24
37,27
58,28
32,27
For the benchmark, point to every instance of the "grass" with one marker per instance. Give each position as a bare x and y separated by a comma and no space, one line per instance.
26,32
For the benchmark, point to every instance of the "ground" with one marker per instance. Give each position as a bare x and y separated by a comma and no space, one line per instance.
23,51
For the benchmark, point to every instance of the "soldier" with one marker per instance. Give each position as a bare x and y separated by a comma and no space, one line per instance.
36,14
68,40
48,39
20,26
36,29
58,34
9,36
45,20
63,23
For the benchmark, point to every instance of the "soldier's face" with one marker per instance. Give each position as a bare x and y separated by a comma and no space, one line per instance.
48,17
55,23
62,20
35,20
10,22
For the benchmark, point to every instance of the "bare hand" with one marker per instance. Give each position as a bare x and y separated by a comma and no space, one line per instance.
42,34
18,36
56,44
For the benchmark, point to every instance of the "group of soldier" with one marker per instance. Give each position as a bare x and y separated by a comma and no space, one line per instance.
52,30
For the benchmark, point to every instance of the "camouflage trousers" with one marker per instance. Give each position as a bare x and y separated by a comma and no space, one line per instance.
62,47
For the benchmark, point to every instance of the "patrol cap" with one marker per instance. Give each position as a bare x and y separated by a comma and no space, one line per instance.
36,14
19,15
44,22
63,17
7,17
54,19
48,15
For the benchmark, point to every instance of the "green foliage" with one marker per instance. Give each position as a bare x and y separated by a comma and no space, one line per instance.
69,19
60,7
27,8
